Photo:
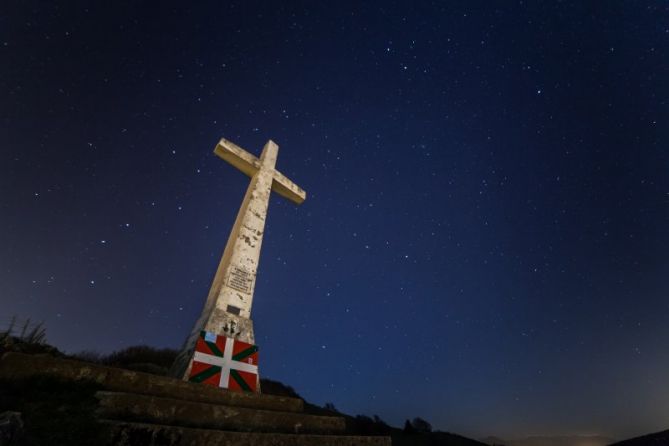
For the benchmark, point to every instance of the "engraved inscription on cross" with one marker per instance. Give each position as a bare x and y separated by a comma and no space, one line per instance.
227,310
240,261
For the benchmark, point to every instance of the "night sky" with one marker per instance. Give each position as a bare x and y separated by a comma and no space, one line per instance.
484,243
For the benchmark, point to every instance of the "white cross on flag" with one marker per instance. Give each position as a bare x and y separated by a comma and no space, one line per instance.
225,362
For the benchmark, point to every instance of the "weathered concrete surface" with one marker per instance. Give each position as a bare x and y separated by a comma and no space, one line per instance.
136,434
20,365
155,410
227,310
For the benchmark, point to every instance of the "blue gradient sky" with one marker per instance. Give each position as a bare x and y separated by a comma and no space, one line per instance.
484,242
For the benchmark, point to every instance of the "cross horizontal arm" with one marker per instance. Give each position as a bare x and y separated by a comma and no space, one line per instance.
287,189
237,156
250,164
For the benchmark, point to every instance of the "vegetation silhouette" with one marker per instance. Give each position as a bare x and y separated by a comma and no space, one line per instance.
58,412
655,439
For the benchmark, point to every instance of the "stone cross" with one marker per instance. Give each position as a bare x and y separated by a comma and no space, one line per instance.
227,310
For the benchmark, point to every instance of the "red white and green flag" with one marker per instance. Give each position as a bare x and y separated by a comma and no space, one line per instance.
225,362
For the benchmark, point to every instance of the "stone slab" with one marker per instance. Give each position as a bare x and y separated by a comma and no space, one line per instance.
135,434
19,365
167,411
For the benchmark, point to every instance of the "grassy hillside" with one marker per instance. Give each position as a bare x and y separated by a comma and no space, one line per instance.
56,412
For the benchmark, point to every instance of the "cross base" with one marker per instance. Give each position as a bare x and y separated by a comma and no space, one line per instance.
221,323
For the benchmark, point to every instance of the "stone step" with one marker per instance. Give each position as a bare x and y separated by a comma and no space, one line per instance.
136,434
152,409
20,365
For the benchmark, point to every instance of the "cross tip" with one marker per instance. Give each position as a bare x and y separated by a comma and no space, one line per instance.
301,196
272,143
221,145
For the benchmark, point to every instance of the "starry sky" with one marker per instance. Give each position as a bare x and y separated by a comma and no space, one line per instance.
484,243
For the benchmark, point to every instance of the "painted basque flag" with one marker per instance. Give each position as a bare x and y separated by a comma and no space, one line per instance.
225,362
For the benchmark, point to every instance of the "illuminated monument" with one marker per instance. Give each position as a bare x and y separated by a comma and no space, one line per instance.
224,331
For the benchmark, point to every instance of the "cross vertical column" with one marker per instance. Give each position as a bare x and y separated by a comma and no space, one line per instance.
227,310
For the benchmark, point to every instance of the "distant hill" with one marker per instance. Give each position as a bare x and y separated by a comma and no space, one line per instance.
563,440
656,439
431,439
